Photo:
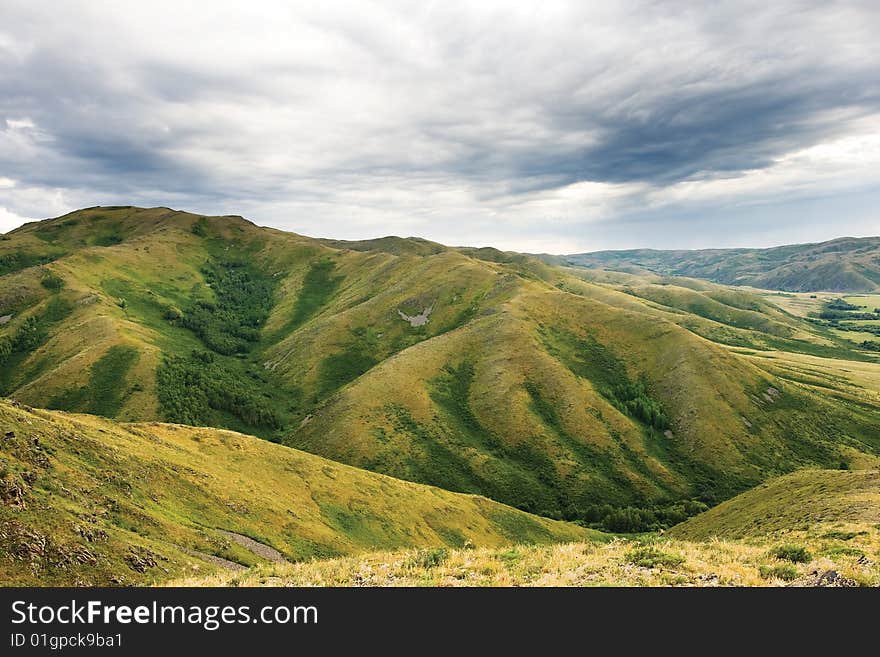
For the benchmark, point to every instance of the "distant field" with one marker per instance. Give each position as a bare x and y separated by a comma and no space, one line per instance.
870,301
854,336
858,380
799,304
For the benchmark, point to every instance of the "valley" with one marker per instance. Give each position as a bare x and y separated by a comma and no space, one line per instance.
574,402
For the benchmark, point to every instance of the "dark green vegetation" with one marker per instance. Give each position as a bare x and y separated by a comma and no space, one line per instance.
650,557
52,282
842,265
18,260
318,286
343,367
203,389
212,389
630,520
231,323
793,553
841,315
106,388
783,571
29,336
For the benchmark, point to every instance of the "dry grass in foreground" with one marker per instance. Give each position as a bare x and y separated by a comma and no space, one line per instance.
851,552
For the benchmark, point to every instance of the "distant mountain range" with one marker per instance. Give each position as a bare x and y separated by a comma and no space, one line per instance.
847,264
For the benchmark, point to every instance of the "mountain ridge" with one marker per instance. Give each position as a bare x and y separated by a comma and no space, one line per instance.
808,267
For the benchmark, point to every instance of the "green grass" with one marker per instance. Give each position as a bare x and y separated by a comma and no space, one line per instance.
18,260
799,499
650,557
106,390
793,553
342,367
319,285
81,494
785,572
451,390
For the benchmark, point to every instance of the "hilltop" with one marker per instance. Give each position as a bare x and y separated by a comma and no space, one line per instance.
626,402
847,264
86,501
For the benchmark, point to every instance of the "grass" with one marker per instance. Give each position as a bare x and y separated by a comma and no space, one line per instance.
651,557
793,553
17,260
620,562
800,499
318,286
80,494
106,389
342,367
831,540
784,572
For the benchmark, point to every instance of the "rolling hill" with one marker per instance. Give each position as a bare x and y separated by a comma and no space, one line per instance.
810,528
798,500
627,402
87,501
843,265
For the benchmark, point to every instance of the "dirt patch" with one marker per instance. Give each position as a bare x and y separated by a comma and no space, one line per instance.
260,549
4,319
217,561
417,320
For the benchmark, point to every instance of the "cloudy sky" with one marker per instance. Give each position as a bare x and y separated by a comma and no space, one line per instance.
544,126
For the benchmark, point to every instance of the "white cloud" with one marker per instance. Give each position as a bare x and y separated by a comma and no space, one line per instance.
10,220
521,123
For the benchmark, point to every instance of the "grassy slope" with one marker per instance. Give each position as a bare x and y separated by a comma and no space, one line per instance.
560,442
646,562
795,501
84,500
347,378
842,265
790,530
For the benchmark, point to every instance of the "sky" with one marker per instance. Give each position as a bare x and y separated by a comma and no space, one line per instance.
531,126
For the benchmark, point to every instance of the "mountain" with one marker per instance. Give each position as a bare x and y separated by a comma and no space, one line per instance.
811,528
626,402
87,501
847,264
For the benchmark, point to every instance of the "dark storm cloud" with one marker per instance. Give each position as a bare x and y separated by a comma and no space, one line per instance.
722,132
464,122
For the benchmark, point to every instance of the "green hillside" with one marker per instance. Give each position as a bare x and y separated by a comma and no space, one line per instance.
626,402
796,501
810,528
843,265
86,501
